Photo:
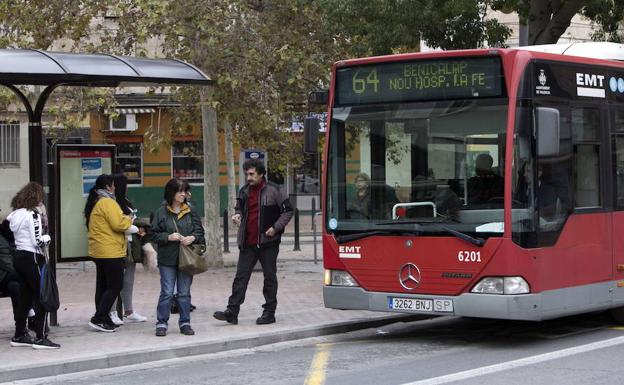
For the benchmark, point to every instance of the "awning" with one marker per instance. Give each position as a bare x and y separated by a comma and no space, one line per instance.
36,67
130,110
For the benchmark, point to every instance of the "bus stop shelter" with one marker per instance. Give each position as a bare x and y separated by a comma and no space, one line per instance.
49,70
53,69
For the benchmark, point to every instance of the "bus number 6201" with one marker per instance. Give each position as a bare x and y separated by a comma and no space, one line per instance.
469,256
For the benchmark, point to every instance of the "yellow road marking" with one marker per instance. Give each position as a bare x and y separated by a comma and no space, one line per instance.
617,328
316,374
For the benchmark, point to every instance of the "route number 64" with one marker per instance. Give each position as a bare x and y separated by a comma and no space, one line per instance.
469,256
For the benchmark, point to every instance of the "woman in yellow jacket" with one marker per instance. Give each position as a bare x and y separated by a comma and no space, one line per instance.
107,227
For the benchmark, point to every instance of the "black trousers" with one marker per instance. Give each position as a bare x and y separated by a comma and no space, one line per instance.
247,259
108,285
27,266
11,285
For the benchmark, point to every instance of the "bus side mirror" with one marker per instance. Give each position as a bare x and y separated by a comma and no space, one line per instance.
311,128
548,131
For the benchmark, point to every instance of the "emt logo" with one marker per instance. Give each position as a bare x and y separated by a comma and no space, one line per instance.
349,252
590,85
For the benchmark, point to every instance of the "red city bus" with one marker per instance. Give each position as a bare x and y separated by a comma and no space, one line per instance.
482,183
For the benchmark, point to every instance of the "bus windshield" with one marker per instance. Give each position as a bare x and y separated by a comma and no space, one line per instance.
394,166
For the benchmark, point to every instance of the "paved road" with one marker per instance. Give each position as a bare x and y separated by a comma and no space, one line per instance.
577,350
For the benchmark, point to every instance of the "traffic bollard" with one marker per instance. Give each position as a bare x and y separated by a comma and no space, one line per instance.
226,235
314,228
297,248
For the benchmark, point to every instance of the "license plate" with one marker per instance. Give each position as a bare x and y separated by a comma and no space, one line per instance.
419,304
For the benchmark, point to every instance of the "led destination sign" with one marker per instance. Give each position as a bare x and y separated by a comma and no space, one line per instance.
420,80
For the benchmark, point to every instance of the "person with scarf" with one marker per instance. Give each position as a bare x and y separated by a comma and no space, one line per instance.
107,228
134,247
174,223
31,242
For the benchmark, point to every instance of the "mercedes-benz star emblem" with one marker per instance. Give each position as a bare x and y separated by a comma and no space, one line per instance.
409,276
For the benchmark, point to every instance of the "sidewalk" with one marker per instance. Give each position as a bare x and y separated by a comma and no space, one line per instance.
300,314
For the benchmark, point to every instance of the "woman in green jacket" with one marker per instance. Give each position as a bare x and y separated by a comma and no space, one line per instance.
173,223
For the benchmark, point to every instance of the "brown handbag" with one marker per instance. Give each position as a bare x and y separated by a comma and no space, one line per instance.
191,258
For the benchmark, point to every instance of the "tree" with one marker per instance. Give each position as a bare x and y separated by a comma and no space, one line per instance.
547,20
40,23
447,24
263,56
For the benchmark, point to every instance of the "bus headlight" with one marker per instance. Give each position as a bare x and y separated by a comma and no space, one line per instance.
501,285
339,278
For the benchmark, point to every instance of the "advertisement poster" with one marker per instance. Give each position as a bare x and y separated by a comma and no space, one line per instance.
91,169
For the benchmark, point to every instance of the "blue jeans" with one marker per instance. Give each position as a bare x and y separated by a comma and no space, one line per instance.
170,276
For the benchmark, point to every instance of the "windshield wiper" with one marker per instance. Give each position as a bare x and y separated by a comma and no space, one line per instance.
475,241
421,223
354,237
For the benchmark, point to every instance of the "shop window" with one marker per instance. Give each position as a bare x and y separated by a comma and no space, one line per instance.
188,161
129,158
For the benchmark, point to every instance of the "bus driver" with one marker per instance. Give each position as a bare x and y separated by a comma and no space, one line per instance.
486,184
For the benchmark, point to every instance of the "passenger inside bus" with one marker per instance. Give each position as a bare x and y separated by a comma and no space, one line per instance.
361,201
362,207
486,186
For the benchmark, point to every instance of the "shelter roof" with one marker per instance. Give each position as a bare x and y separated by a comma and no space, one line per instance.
36,67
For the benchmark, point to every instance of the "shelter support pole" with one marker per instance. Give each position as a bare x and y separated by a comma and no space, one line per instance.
35,149
36,142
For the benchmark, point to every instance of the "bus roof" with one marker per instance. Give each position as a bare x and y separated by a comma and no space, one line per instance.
592,50
595,50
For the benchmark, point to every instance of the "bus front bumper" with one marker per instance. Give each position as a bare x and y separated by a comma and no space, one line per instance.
513,307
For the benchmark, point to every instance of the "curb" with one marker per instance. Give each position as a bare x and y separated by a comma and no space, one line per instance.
143,356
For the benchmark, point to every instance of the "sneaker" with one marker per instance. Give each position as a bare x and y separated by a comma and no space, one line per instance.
161,332
45,343
227,316
24,340
266,318
187,330
102,326
135,317
115,318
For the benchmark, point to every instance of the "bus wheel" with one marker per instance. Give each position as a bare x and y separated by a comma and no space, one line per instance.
618,314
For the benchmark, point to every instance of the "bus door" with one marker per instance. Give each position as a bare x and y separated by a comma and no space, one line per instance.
617,145
574,228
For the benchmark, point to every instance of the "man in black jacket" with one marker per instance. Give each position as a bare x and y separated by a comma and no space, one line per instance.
263,212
